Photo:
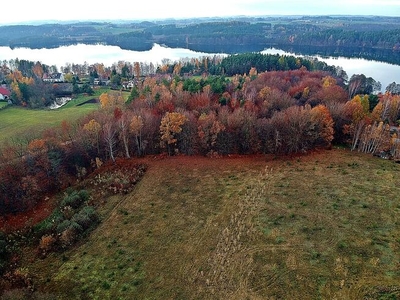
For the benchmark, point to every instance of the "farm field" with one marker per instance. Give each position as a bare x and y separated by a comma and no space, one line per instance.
319,226
18,121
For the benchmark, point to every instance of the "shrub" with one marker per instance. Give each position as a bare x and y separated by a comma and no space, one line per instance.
68,237
75,199
84,195
85,217
46,244
64,225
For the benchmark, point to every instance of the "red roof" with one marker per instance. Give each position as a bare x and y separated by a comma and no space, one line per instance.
4,91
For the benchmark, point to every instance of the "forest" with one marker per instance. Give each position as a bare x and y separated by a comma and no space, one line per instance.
226,35
25,79
278,105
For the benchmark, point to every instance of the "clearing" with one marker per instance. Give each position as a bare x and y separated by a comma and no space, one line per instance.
318,226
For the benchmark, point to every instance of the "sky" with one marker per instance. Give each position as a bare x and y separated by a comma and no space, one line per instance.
43,10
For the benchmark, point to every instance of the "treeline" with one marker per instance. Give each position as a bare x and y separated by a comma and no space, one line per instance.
25,78
384,39
279,112
242,63
228,35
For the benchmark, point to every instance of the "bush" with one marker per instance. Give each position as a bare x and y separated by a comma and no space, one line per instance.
85,217
68,237
84,194
66,223
47,244
75,199
48,224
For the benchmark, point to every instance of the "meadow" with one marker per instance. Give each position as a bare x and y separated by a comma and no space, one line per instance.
17,121
318,226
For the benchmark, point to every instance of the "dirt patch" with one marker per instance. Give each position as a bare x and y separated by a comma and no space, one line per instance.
13,222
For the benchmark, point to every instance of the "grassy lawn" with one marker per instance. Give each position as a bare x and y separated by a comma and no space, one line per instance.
19,121
16,121
3,104
322,226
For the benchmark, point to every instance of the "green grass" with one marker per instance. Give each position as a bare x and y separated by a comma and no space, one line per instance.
18,121
245,228
3,104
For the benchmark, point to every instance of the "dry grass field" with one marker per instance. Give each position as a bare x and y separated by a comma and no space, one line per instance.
319,226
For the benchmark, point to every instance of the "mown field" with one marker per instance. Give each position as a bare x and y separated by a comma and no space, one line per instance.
320,226
17,121
20,122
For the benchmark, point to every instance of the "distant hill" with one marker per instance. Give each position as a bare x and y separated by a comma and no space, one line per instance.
213,34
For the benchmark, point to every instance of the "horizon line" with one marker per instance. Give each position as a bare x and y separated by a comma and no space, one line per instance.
136,20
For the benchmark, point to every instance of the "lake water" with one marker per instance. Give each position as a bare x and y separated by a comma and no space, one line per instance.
384,72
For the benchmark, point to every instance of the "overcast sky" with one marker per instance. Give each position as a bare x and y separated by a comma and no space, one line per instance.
28,10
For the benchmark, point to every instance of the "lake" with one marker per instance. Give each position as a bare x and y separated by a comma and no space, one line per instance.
384,72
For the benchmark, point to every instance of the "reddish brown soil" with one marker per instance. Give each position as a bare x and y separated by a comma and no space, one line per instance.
13,222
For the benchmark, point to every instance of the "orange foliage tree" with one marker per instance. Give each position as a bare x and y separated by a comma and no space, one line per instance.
171,125
208,129
93,133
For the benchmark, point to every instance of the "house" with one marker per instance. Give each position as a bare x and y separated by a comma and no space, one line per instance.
4,93
54,77
128,84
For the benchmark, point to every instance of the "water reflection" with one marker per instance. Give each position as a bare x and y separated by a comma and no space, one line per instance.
382,55
351,61
108,55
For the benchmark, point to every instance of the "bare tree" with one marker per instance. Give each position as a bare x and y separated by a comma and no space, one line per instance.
109,133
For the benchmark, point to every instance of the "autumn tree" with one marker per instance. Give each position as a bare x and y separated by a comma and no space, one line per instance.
123,127
135,127
358,109
241,129
360,84
270,100
322,125
109,136
93,129
38,70
393,88
296,129
390,108
137,72
375,138
36,146
111,100
171,125
208,129
21,87
177,69
395,146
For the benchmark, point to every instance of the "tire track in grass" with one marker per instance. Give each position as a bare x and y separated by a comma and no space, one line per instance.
230,264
